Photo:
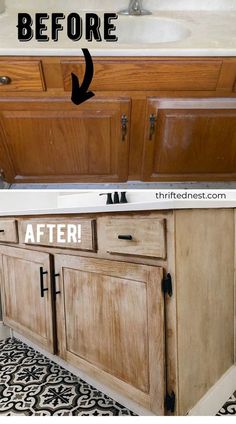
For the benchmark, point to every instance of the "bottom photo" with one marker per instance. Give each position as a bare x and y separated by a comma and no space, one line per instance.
117,303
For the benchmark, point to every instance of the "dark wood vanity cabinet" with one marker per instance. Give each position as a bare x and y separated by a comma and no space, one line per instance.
152,119
190,140
53,140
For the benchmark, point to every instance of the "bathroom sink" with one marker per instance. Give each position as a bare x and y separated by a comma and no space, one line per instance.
149,29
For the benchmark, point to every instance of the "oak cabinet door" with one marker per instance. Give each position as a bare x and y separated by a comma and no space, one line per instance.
56,141
110,324
192,140
26,308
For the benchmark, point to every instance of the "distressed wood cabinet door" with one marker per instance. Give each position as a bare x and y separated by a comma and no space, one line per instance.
110,324
24,310
192,140
56,141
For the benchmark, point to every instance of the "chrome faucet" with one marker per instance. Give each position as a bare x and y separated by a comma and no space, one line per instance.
135,9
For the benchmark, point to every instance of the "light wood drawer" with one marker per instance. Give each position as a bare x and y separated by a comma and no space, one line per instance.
135,236
21,75
145,74
83,239
8,231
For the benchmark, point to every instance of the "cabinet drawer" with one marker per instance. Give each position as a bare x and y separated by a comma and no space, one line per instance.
77,234
21,76
135,236
147,74
8,231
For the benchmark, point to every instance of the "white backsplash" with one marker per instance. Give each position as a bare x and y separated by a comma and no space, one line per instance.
115,5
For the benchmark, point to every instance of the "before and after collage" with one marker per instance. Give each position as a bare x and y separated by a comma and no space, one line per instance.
118,208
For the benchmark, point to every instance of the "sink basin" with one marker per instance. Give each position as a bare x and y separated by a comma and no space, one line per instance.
149,29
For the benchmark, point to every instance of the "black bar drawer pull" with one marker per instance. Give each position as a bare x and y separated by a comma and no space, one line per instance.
42,289
125,237
2,231
56,291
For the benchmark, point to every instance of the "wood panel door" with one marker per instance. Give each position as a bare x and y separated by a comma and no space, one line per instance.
110,324
26,294
190,140
56,141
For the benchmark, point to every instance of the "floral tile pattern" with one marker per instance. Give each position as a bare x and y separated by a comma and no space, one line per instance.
229,407
31,384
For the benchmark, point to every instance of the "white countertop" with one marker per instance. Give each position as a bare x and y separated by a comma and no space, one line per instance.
212,33
150,206
45,203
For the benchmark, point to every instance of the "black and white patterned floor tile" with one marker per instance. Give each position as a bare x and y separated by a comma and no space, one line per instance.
229,407
31,384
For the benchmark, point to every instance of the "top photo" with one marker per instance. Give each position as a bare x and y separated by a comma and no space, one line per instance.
105,94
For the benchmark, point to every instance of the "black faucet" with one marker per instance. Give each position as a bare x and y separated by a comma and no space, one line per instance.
116,199
109,198
123,198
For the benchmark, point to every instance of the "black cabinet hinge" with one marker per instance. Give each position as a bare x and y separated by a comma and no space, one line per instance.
170,402
167,285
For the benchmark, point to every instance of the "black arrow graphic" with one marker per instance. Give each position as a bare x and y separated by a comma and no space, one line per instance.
80,93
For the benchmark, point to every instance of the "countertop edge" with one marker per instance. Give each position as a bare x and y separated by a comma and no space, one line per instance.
139,207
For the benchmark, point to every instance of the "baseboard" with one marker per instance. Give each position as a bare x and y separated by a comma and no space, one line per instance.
216,397
129,404
4,331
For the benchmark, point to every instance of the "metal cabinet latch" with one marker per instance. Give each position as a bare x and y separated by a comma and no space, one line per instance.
152,120
124,127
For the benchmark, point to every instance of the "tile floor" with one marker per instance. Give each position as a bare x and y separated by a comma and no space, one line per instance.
31,384
230,406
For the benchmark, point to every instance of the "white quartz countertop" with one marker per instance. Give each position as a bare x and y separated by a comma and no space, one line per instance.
149,206
212,33
37,203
